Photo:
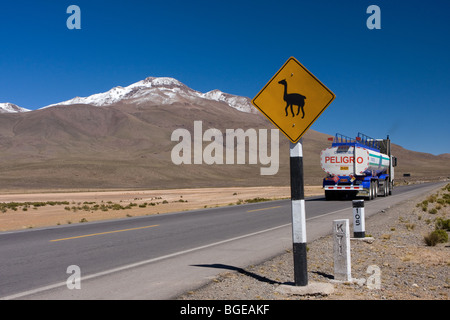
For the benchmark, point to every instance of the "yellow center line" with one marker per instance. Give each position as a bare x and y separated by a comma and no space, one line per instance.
101,233
264,209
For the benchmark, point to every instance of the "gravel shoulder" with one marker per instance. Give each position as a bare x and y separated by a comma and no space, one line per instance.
408,268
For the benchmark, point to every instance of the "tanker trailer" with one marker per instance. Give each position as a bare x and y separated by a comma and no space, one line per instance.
362,167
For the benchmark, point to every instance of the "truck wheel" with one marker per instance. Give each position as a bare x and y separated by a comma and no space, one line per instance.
372,190
370,196
375,189
384,188
332,195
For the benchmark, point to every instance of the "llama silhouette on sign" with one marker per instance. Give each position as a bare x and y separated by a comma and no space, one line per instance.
293,99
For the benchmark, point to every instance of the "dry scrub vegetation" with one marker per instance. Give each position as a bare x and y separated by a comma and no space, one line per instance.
33,210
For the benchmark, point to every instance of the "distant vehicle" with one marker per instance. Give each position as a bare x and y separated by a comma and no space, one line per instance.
360,166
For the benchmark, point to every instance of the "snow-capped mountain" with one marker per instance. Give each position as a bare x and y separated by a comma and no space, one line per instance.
11,108
163,90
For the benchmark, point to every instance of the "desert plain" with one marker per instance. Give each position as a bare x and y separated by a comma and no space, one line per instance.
43,209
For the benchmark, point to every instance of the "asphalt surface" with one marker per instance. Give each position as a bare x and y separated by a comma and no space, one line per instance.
161,256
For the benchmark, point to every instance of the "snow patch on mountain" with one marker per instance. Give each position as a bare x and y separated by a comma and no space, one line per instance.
11,108
162,90
236,102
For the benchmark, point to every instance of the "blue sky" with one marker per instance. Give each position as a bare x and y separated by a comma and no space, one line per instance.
390,81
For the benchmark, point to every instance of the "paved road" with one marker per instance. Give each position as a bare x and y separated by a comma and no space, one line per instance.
161,256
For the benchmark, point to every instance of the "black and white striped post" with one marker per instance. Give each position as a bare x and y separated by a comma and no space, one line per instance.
298,214
359,226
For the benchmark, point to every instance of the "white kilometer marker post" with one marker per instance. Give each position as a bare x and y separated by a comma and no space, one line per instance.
298,214
341,250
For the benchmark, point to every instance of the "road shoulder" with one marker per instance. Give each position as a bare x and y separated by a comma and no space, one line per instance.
406,267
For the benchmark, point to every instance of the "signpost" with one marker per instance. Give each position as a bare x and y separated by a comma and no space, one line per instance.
292,100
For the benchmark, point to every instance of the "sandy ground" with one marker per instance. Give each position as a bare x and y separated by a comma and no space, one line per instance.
85,206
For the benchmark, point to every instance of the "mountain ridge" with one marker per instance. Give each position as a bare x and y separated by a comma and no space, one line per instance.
158,90
153,90
127,143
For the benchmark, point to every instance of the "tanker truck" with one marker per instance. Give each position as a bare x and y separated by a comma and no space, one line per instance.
358,167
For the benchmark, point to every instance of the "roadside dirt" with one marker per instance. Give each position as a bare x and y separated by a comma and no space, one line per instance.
406,268
57,208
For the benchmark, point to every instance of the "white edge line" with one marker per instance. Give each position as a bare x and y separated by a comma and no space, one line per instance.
137,264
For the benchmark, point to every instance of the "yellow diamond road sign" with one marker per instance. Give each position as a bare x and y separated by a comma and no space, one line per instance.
293,99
